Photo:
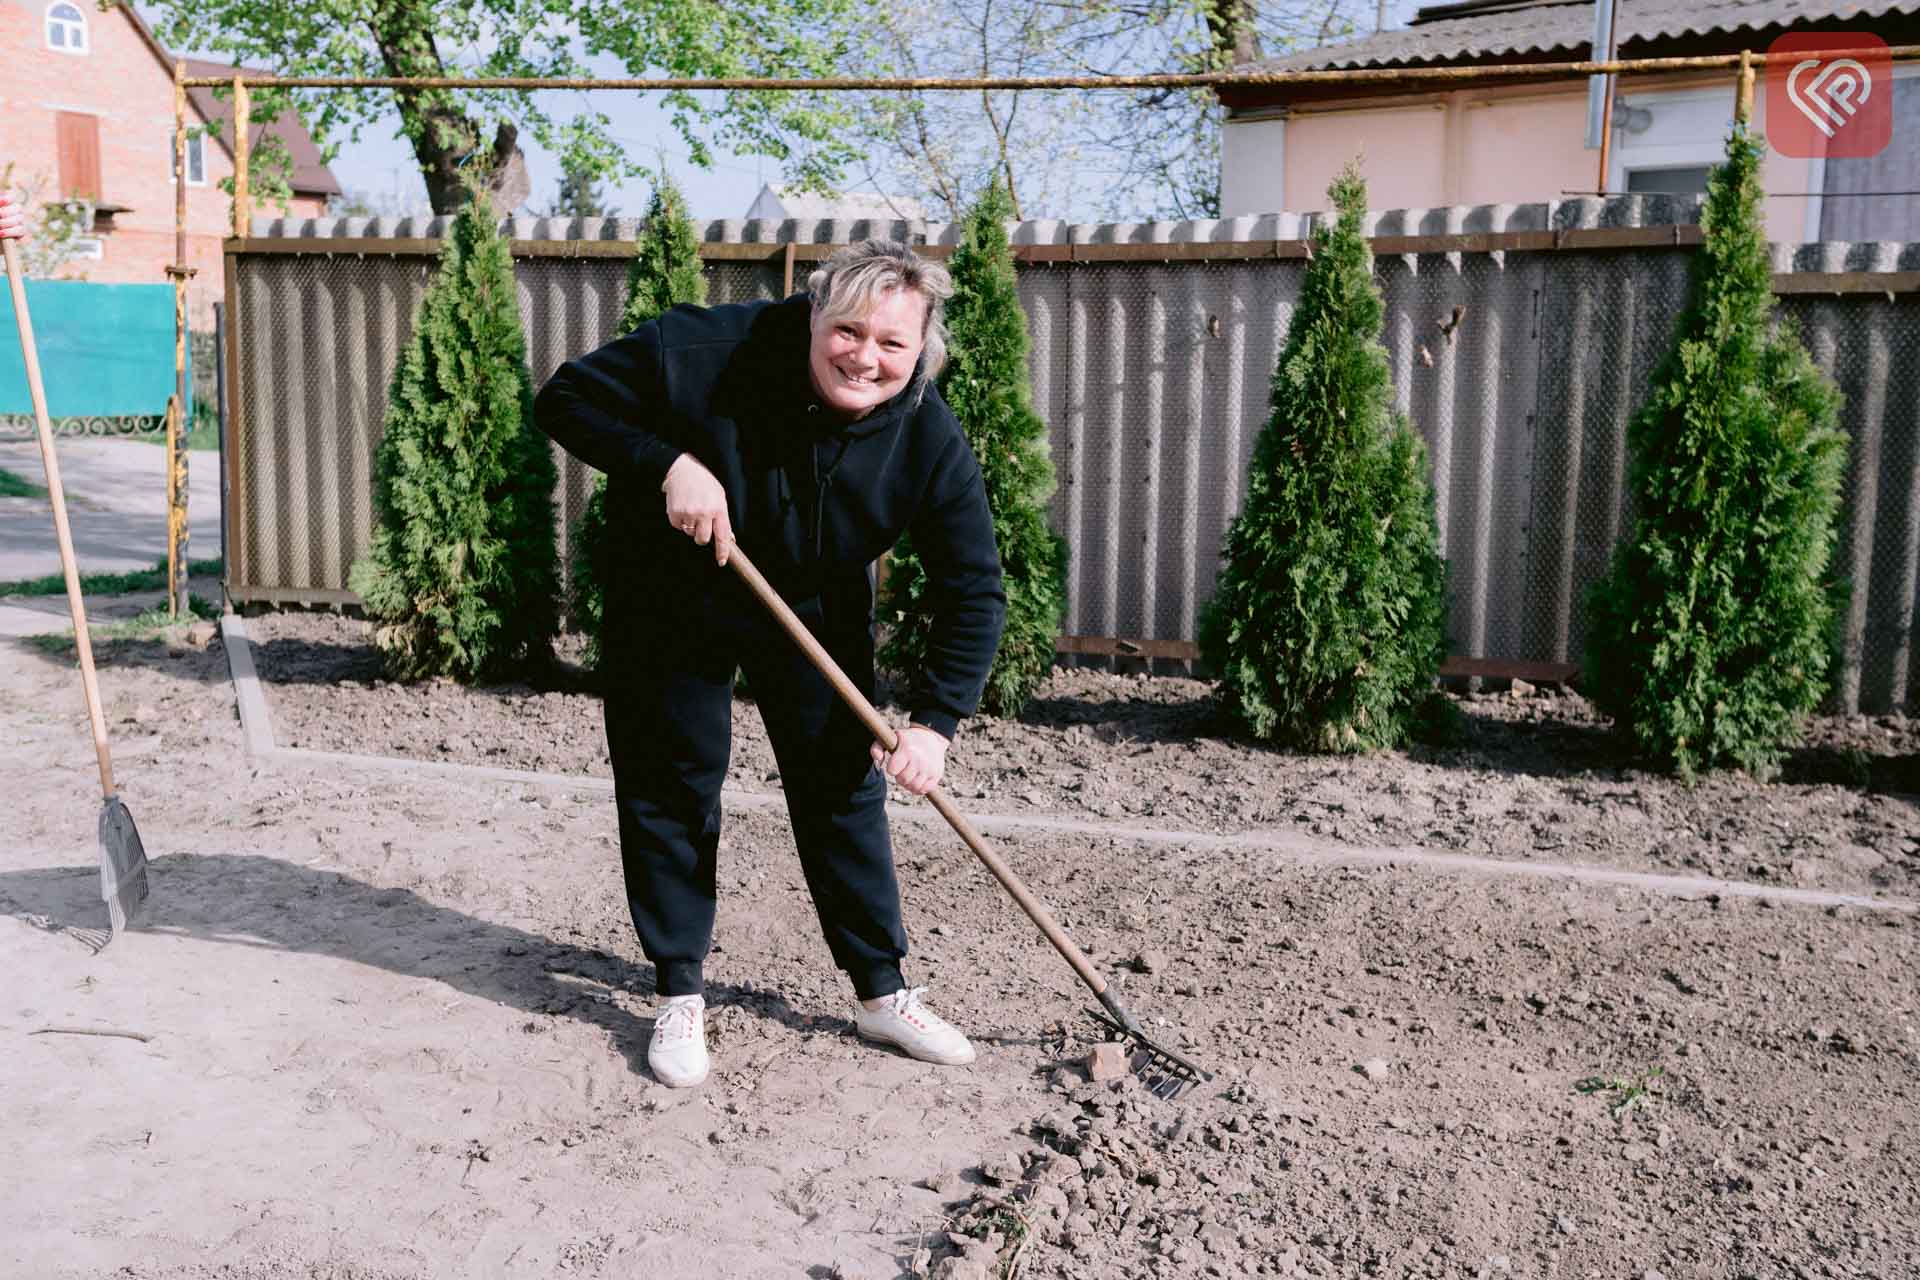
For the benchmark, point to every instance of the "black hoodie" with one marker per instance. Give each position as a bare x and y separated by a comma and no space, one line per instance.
813,500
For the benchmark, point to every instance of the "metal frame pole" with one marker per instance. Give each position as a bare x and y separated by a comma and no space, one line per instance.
220,438
1612,87
176,447
242,159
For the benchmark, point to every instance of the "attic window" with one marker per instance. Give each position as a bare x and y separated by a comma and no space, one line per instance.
66,28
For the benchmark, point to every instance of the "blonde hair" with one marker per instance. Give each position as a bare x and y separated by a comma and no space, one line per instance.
852,281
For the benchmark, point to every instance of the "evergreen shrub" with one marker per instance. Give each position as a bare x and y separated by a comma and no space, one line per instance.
1710,638
460,577
1328,621
664,273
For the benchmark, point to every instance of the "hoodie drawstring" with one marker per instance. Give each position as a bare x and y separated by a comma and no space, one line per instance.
822,482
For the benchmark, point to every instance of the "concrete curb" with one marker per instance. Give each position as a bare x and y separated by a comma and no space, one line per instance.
254,721
1294,849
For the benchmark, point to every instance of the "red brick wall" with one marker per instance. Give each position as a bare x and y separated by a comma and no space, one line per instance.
121,81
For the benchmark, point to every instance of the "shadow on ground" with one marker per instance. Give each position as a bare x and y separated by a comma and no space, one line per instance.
257,902
203,666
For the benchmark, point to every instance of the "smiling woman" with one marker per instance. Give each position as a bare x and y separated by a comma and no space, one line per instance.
863,361
810,430
876,318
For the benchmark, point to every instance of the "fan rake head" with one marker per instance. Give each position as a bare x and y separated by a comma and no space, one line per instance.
1164,1073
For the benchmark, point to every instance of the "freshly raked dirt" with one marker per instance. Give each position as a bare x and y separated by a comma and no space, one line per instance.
398,1021
1536,777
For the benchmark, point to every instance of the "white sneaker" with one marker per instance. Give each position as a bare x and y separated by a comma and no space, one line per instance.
678,1051
905,1022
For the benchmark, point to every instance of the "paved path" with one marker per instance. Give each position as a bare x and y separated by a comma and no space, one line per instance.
117,507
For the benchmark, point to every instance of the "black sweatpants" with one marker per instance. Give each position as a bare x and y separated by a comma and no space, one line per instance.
669,709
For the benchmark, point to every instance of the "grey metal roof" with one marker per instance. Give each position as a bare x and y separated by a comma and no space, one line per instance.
1497,31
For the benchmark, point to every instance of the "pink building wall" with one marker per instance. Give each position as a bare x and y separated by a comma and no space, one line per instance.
1496,146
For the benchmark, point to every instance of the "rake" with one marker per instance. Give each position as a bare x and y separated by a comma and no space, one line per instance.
123,861
1165,1072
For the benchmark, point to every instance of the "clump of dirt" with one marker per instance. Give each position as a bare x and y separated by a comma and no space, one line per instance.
1536,776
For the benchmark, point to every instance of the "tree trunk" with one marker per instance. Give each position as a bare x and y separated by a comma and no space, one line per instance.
1235,38
445,139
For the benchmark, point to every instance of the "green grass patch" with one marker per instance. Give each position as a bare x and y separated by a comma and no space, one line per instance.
145,626
18,486
203,433
1623,1093
108,584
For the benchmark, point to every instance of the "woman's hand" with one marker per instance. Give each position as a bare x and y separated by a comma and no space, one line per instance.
13,219
697,505
918,763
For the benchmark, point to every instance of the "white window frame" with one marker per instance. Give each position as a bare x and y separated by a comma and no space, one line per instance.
1626,175
71,27
196,157
1691,125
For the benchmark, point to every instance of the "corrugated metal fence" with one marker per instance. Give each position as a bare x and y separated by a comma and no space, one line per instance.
1153,346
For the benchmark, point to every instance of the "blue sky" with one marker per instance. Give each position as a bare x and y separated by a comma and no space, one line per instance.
381,163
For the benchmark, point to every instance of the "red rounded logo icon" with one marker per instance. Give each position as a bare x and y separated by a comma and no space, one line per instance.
1829,93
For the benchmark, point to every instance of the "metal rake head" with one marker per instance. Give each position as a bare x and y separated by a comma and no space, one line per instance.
123,867
1164,1073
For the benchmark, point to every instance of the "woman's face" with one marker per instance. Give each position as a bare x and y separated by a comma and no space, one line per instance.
860,362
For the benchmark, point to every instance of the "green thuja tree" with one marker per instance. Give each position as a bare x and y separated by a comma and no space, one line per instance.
1328,622
988,387
665,272
461,575
1708,641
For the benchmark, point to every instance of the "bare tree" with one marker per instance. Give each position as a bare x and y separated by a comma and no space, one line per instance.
947,147
1119,153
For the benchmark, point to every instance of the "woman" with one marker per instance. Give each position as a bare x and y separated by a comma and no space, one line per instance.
811,431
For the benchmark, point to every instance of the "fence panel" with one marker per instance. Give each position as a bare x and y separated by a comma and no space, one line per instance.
1518,350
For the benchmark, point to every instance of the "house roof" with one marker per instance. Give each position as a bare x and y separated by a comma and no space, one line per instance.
1512,30
310,176
850,204
310,173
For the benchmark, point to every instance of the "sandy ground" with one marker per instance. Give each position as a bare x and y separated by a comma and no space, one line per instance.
397,1023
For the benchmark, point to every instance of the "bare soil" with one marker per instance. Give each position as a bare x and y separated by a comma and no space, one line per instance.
397,1023
1536,777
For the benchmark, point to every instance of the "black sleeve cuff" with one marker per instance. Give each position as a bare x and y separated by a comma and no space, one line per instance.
941,722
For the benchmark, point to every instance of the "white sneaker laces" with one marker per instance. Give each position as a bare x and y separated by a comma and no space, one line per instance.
678,1018
906,1004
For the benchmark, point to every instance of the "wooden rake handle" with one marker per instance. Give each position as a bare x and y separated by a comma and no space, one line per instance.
883,733
31,355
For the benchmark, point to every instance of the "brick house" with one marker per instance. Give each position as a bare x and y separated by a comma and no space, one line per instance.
86,112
